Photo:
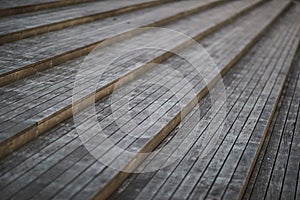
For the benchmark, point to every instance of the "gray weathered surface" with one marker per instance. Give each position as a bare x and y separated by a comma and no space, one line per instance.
14,3
20,22
276,173
48,48
253,86
64,169
27,102
56,165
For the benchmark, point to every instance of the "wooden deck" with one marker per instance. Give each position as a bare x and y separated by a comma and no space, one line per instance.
243,148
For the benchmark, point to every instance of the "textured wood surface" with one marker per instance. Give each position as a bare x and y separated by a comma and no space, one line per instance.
222,173
276,173
28,56
23,26
142,107
44,108
13,7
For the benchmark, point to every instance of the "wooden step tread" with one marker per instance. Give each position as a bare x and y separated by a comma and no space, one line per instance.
31,106
30,24
253,86
12,4
13,7
27,56
277,170
82,176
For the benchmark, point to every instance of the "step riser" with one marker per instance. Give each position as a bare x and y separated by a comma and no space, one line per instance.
12,76
73,22
121,177
25,136
41,6
265,131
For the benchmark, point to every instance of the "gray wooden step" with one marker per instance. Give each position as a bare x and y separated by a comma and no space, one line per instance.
12,7
26,25
40,102
63,168
28,56
277,170
253,86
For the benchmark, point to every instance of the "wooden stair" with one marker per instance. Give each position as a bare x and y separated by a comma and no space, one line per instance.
22,26
17,132
48,154
276,172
